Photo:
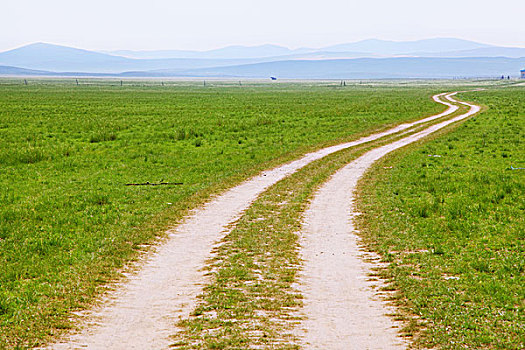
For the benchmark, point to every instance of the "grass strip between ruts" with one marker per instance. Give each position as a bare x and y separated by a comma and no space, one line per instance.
251,299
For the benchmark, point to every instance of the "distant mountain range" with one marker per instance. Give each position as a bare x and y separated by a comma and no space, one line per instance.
430,58
366,68
373,47
57,58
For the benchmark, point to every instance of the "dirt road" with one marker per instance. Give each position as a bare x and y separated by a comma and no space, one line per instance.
341,308
141,313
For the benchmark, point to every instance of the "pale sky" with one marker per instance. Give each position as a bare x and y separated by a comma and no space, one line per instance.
208,24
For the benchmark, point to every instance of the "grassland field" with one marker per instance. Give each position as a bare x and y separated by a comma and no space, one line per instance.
451,231
68,223
67,220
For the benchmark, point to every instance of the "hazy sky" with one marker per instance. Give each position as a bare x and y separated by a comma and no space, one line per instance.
207,24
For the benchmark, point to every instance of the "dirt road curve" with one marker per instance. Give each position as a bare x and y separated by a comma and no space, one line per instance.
142,312
341,309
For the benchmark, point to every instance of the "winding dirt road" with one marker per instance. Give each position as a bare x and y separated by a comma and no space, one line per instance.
141,313
340,305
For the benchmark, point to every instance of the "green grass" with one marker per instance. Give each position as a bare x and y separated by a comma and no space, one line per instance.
68,223
449,217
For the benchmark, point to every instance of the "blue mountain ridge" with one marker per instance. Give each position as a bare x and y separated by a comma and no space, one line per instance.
429,58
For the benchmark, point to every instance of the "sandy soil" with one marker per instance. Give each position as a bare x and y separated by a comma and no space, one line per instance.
341,308
141,312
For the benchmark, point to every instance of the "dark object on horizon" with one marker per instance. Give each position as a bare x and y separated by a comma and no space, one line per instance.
273,78
25,81
76,81
522,73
